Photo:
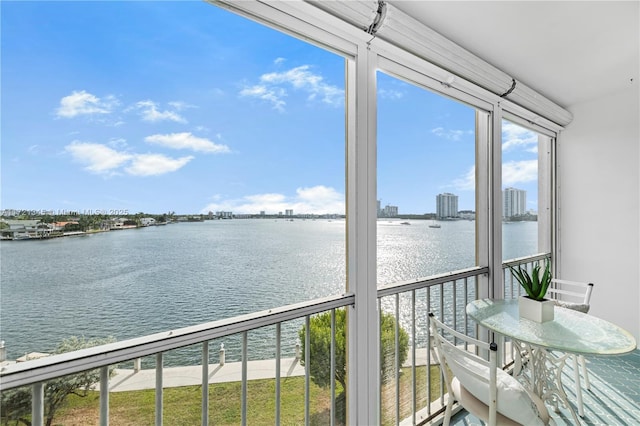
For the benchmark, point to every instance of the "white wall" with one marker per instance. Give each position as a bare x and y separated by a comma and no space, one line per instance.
599,237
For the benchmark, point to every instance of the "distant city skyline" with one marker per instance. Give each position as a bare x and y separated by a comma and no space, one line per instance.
513,205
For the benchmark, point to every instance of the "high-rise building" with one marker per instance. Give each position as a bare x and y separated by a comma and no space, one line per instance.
390,211
514,202
387,211
446,206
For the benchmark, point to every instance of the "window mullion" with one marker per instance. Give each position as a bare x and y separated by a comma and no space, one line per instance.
496,289
363,338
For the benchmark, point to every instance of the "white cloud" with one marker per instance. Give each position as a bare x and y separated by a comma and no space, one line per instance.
118,143
149,112
320,198
155,164
266,199
390,94
313,200
84,103
98,158
514,136
103,160
451,134
179,105
272,95
300,78
466,182
187,141
514,172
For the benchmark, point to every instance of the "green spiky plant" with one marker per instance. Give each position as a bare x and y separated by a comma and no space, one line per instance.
535,285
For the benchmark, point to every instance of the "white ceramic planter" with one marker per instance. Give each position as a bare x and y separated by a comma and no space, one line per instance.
534,310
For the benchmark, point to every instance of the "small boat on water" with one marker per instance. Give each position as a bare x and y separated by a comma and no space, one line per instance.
405,223
434,225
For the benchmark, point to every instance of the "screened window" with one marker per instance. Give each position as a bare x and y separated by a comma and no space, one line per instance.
426,187
229,134
525,191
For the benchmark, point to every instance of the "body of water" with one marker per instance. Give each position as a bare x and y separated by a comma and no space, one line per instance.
136,282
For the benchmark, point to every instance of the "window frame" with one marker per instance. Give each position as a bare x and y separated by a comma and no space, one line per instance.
365,54
484,111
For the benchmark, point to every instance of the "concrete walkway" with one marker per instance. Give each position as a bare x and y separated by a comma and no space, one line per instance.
130,379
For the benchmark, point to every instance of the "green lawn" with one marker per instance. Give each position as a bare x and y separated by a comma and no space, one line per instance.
182,405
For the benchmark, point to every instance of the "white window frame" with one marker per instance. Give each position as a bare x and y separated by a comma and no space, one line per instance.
365,54
484,111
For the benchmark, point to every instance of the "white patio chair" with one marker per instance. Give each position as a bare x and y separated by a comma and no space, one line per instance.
577,296
484,390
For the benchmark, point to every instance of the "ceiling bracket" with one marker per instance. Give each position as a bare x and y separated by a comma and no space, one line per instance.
508,92
377,21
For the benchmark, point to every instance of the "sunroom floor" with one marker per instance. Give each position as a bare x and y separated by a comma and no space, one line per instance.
614,398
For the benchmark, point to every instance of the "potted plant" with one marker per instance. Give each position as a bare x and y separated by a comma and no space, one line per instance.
534,306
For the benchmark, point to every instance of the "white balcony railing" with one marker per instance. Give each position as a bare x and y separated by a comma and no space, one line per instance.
406,397
35,373
446,295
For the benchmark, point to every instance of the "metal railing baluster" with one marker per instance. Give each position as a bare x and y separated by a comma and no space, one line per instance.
515,291
205,383
332,411
104,396
428,297
396,362
441,316
466,302
37,404
307,369
441,286
455,308
413,357
159,389
380,356
278,350
243,398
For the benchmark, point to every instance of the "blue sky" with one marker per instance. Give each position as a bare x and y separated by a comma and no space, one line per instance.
163,106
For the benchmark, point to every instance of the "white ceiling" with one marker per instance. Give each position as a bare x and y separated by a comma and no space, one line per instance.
569,51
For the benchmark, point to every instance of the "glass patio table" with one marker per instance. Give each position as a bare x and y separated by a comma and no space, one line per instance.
570,332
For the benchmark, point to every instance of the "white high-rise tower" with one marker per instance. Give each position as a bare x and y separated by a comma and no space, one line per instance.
514,202
446,206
